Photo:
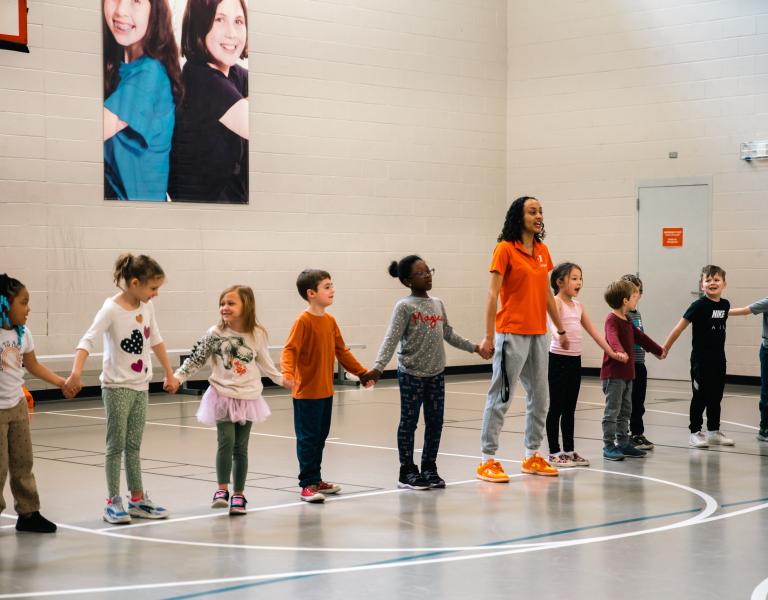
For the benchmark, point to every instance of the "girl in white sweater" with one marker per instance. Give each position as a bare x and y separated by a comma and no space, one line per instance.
238,352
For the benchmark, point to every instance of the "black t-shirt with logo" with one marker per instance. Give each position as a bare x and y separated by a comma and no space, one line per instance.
708,319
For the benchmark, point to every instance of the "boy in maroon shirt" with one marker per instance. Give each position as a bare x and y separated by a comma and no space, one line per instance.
621,335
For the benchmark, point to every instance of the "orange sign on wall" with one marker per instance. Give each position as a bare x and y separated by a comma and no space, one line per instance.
672,237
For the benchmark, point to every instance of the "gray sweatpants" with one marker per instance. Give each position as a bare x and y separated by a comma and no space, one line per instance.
524,357
618,408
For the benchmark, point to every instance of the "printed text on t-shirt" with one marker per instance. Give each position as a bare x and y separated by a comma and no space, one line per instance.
431,320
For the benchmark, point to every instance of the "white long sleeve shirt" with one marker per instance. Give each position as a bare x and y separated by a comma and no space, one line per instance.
128,336
237,360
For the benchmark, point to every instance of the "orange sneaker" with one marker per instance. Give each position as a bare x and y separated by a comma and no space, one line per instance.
491,470
536,465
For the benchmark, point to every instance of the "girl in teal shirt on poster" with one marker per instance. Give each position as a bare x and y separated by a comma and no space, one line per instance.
142,84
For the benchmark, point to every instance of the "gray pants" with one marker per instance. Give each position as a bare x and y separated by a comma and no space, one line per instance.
524,357
618,409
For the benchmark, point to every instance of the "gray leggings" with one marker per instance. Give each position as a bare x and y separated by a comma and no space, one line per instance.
233,447
126,413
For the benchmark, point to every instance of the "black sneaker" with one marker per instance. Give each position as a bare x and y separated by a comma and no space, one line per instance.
430,474
411,480
641,442
762,435
35,523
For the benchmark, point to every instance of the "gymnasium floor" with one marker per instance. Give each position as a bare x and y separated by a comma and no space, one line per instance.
682,523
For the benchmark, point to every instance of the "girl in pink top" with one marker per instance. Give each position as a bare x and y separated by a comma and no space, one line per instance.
565,364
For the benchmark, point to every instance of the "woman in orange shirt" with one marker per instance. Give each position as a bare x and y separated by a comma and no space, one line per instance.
518,332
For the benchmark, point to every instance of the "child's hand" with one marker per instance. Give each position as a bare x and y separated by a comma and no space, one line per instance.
485,353
369,378
288,382
564,341
664,352
621,357
72,386
171,384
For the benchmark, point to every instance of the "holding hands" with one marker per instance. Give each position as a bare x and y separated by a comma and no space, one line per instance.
171,384
71,386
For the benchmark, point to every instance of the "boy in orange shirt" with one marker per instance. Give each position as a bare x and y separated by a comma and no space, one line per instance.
307,365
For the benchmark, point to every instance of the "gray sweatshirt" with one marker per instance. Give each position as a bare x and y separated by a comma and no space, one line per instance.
420,325
761,306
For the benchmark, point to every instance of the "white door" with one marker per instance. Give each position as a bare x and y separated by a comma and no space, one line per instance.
673,245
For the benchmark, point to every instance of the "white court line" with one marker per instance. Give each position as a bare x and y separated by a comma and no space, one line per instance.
710,506
761,591
686,415
374,567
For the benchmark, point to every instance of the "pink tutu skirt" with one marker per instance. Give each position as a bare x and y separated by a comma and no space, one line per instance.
215,408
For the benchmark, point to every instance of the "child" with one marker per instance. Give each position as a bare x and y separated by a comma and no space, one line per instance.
237,349
209,159
126,322
621,335
142,82
565,364
420,324
640,384
307,365
17,352
708,315
760,307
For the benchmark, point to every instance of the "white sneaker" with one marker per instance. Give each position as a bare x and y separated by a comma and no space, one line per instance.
717,438
698,440
114,512
146,509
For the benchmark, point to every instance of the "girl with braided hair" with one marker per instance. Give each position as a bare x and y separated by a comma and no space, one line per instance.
17,352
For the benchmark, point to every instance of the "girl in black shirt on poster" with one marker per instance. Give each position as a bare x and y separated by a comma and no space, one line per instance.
209,157
708,315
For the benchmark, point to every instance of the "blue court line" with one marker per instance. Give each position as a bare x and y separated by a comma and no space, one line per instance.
755,501
405,559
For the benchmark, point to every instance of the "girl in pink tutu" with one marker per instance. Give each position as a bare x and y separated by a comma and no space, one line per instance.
238,353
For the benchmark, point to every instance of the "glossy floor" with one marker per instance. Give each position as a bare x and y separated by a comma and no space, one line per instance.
681,523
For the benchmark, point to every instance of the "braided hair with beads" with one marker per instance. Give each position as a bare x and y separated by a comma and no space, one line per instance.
9,289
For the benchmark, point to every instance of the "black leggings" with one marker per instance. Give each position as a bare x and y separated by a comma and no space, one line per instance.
564,383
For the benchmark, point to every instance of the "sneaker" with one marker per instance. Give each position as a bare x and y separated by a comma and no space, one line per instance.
578,460
561,460
114,512
237,504
34,523
629,451
613,453
536,465
146,509
698,440
309,493
718,438
762,435
410,479
491,470
220,499
328,488
641,442
431,476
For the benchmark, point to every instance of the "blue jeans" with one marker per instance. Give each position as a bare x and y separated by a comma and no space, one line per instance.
312,422
763,387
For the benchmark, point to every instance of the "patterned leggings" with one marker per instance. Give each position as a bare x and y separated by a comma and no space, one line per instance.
415,391
126,413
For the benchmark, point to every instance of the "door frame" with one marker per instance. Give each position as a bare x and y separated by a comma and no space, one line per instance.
673,182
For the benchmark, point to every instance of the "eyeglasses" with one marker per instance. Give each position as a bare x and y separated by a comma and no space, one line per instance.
423,273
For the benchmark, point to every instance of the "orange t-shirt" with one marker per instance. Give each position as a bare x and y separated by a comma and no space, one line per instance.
524,286
308,356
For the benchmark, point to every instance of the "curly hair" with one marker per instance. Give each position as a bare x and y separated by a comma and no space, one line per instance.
512,230
9,289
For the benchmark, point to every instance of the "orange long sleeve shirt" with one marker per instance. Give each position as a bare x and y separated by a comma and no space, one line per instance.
308,356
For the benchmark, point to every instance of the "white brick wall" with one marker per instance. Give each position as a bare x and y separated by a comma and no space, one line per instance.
599,91
377,130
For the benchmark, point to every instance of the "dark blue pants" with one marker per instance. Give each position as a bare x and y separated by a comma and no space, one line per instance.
639,385
312,422
415,392
763,387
